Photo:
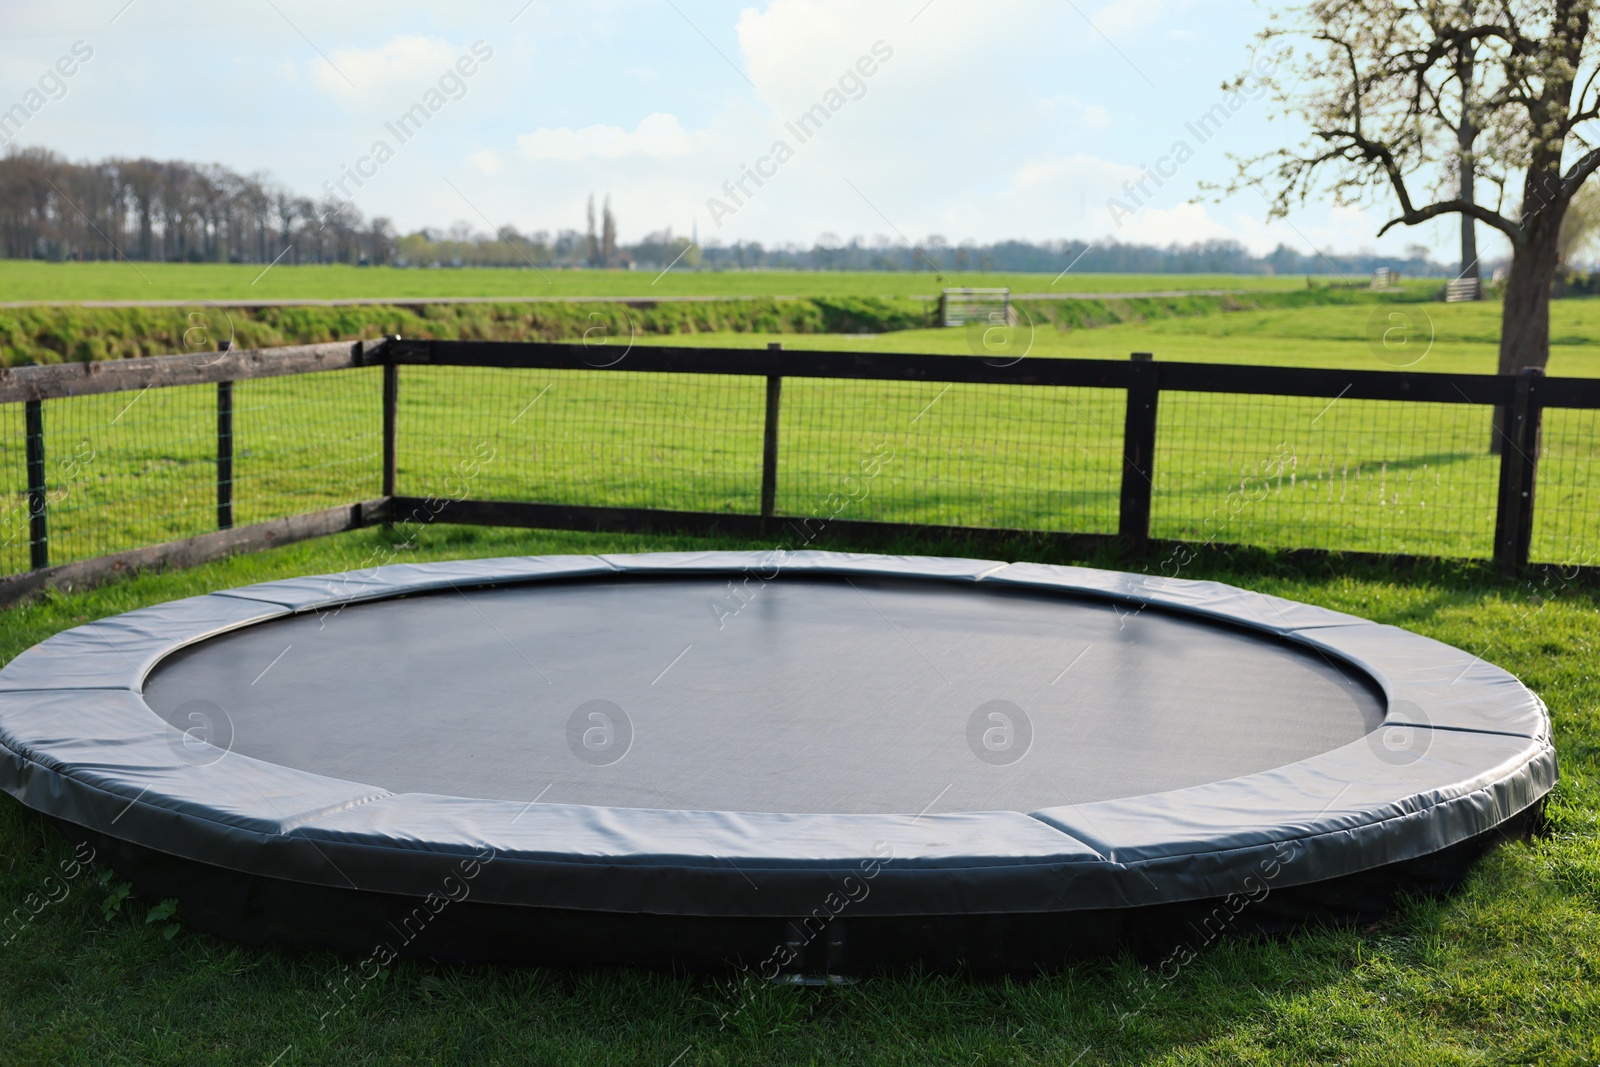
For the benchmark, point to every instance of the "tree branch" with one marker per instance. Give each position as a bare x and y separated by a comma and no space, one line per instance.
1583,114
1585,166
1413,216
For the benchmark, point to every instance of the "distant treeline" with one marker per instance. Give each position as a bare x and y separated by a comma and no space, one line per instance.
174,211
1208,257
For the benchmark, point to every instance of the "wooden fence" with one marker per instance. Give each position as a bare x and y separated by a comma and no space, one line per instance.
1521,401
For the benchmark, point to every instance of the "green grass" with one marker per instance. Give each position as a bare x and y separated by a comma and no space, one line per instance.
33,280
37,335
1506,970
1437,337
1327,327
55,334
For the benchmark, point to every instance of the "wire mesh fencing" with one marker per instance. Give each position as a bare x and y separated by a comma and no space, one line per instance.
676,442
1566,528
888,451
127,470
937,453
897,444
1303,472
124,470
15,535
306,442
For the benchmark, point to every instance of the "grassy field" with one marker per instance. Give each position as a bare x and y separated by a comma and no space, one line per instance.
1506,970
74,333
127,470
31,280
1297,327
1428,337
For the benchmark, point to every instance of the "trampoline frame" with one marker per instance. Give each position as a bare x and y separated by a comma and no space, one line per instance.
1463,751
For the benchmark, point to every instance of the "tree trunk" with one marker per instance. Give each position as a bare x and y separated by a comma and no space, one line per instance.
1525,316
1469,225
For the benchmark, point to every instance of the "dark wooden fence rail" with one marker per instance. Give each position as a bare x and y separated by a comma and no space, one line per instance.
1521,400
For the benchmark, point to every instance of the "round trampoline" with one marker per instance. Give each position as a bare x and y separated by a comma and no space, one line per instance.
804,763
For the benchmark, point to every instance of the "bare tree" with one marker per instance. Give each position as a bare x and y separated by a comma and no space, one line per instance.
591,241
608,235
141,180
1412,102
1465,69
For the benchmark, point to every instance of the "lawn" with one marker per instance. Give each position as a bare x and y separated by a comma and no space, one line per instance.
1428,337
1506,970
27,280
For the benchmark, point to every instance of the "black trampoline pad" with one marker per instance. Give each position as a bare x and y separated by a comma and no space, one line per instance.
820,695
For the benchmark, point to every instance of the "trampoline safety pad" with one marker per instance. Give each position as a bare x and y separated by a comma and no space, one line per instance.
806,761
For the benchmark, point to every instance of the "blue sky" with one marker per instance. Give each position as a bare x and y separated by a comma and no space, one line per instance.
966,119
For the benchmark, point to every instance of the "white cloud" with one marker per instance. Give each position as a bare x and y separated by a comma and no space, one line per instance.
1183,224
1342,229
1129,16
487,161
1092,116
402,61
1055,174
1049,196
797,49
658,134
926,152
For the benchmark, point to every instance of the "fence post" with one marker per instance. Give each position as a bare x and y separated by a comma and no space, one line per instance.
38,520
1519,468
391,416
769,444
224,449
1139,452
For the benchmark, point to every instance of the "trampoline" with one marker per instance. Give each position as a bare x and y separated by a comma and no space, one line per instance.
804,763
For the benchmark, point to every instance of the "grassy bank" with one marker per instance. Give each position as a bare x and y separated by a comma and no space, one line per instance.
1067,315
60,334
63,334
1506,970
35,280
